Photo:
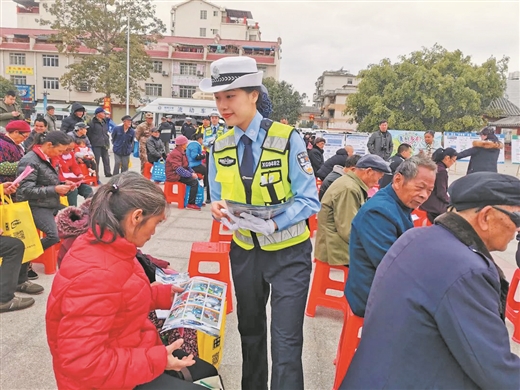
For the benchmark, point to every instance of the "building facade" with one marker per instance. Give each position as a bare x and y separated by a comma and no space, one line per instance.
34,64
513,88
332,91
200,18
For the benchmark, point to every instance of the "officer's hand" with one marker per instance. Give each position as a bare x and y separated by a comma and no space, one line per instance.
254,224
216,209
230,223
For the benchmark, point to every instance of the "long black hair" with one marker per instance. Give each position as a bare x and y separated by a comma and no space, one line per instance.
441,153
263,103
490,133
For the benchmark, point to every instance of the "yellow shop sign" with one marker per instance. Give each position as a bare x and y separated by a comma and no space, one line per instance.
26,70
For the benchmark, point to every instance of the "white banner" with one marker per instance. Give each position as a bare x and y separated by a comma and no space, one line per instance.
358,142
333,142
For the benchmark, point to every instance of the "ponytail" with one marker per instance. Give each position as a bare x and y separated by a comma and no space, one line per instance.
441,153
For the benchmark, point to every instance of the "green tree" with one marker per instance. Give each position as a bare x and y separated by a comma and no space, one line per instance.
286,101
94,32
7,85
432,89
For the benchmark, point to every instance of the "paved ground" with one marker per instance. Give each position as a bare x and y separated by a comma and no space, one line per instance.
25,361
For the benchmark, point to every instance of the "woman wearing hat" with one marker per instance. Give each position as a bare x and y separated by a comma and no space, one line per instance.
11,150
484,153
261,162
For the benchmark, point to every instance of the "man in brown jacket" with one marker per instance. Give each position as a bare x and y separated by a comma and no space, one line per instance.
178,169
142,133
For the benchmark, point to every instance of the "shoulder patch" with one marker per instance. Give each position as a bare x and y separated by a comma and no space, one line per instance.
227,161
305,163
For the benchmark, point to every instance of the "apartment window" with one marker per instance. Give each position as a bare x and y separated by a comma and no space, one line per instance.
187,91
202,31
84,87
17,58
157,66
19,80
50,60
203,14
214,31
153,89
215,13
349,81
51,83
188,69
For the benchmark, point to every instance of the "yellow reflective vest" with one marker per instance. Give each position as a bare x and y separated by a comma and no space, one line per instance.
271,183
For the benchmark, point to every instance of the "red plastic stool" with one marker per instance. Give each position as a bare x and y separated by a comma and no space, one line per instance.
177,196
321,282
147,172
422,218
348,343
217,236
90,180
49,258
214,252
313,224
513,306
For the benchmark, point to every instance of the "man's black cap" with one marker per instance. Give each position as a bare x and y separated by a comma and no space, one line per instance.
482,189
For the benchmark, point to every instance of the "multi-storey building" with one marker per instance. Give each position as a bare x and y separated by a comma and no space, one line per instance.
332,91
179,63
200,18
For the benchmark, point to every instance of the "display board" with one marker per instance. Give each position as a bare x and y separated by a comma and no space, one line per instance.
333,142
515,149
358,142
414,138
463,141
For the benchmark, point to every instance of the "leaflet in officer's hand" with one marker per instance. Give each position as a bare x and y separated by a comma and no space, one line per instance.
264,212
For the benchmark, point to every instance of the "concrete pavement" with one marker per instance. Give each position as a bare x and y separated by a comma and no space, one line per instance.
25,361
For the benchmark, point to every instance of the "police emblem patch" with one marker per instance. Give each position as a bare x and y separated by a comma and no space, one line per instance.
305,163
227,161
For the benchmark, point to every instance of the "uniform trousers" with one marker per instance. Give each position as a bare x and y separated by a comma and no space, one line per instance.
285,274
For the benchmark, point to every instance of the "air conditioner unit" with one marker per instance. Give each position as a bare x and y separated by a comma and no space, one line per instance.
165,74
174,93
200,74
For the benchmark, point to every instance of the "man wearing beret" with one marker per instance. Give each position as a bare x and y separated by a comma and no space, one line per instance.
435,314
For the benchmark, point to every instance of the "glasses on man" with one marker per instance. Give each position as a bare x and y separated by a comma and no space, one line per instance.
513,216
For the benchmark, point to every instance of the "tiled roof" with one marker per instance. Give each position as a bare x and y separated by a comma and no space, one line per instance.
507,108
509,122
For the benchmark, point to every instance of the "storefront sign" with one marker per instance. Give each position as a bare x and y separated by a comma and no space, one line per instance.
26,93
25,70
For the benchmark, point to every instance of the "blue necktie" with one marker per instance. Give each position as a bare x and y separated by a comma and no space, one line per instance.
246,166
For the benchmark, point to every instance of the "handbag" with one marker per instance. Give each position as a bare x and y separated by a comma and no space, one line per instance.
136,149
159,171
16,221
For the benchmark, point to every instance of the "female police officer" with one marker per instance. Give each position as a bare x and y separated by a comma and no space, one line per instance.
262,162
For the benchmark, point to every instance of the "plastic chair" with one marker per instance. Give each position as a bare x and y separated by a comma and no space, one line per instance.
513,306
90,180
147,172
348,343
422,218
49,258
321,282
212,252
175,197
313,224
217,235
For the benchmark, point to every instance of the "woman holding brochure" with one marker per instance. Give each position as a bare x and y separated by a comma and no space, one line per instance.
260,162
97,321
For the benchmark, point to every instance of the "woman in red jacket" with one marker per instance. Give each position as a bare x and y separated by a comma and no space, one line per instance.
70,170
97,321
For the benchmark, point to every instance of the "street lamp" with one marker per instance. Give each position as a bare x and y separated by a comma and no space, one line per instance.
45,93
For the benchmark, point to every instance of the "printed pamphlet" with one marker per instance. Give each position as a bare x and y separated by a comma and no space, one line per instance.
264,212
200,306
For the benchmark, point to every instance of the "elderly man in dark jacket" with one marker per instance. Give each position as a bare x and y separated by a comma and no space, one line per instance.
155,147
380,142
435,315
123,144
77,112
380,222
97,133
80,134
338,159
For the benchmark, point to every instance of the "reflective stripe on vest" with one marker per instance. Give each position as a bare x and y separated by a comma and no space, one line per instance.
271,184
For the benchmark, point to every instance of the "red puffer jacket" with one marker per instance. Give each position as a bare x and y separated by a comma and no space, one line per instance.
97,318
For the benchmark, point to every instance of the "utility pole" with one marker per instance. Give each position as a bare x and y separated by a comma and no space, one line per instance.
45,93
128,66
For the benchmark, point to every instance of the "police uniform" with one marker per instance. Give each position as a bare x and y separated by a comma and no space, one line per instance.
279,263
